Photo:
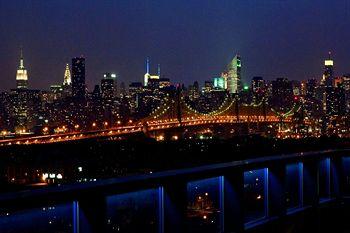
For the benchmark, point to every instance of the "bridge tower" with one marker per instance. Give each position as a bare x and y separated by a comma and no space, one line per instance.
178,105
236,109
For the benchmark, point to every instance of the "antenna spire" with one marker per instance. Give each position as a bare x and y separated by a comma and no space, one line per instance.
147,65
159,70
21,63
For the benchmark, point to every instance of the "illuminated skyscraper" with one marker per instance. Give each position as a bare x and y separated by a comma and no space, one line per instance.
21,76
233,75
148,76
328,74
67,77
78,77
332,96
108,86
108,93
219,82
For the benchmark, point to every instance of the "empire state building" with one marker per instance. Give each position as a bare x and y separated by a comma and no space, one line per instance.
21,76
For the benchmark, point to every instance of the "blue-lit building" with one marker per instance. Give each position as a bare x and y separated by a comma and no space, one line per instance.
219,82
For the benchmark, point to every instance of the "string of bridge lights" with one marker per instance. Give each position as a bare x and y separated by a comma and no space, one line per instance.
288,113
213,113
218,111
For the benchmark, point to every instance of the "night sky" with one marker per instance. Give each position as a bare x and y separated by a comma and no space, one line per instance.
192,39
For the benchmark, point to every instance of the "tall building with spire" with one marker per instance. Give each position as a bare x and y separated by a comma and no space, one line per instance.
158,71
22,75
67,80
148,76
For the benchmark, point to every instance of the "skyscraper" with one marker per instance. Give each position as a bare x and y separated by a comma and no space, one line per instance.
282,94
148,76
258,85
108,87
258,88
21,76
328,74
332,96
233,75
108,93
311,87
78,77
67,77
219,82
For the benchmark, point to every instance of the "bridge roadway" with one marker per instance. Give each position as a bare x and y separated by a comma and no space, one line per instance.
150,126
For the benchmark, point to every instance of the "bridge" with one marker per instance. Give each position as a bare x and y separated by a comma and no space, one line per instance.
176,113
302,192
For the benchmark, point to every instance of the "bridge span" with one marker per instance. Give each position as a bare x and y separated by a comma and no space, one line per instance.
175,113
151,126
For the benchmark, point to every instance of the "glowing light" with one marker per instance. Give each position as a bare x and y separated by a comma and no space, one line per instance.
44,176
328,62
67,76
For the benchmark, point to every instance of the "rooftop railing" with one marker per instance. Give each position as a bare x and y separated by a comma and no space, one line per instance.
229,197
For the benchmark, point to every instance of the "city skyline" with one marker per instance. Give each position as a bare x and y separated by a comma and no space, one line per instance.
195,116
90,85
196,58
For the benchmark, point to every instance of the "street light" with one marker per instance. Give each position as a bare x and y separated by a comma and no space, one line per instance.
4,133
